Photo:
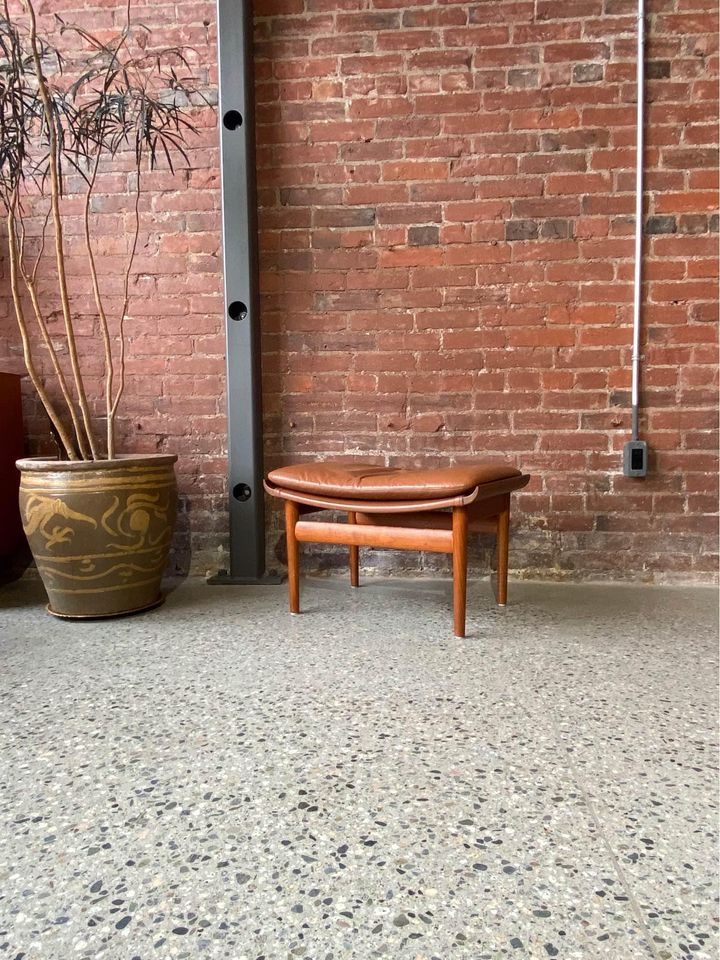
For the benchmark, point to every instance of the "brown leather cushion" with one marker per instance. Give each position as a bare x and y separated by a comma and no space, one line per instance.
367,481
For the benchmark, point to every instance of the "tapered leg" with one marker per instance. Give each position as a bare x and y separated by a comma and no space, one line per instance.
460,536
293,559
503,538
354,558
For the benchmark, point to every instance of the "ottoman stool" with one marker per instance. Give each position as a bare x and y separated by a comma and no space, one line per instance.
410,509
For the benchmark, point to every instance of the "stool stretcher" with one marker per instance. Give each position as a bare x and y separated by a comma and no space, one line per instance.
437,526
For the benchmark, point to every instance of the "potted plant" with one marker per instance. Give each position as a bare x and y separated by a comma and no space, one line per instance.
99,524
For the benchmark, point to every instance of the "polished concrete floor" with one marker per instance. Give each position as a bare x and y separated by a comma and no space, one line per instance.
219,779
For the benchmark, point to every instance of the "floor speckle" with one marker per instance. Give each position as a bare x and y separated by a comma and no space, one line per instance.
219,779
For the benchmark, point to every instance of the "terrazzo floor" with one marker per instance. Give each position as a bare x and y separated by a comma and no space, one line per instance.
219,779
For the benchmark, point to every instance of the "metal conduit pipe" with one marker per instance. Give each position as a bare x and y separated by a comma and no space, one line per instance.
635,452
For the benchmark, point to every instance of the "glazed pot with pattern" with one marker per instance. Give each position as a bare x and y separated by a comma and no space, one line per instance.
99,531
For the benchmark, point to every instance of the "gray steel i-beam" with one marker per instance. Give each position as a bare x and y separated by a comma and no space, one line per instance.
239,226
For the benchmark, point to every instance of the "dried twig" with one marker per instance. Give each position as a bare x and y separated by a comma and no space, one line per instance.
126,297
27,352
120,100
104,326
53,166
30,281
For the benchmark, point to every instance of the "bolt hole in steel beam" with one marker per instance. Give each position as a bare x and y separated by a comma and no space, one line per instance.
237,310
232,120
242,492
246,504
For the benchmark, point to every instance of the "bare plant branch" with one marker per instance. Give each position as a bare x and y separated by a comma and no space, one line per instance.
100,306
126,294
55,191
41,248
123,98
29,279
24,336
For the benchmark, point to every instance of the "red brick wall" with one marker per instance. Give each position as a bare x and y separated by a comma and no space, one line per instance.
446,212
174,398
447,203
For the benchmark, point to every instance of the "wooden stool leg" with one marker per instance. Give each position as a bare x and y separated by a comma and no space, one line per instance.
460,536
354,558
291,516
503,539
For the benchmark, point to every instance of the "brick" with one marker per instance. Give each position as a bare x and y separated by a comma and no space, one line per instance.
343,217
521,230
580,183
292,69
523,77
555,229
376,193
410,170
446,209
587,72
370,65
688,159
380,107
657,69
408,40
333,132
423,236
564,52
659,225
448,103
367,22
693,223
433,17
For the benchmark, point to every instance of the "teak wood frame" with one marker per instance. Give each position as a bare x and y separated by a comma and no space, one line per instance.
439,526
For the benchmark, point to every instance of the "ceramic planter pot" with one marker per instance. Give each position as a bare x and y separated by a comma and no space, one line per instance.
99,531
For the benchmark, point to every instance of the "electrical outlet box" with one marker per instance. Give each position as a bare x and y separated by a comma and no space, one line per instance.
635,457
